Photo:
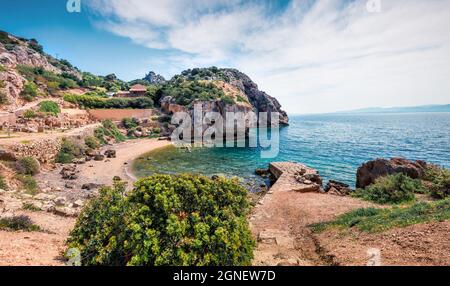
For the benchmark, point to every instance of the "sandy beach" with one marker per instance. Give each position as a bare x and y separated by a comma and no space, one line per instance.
103,172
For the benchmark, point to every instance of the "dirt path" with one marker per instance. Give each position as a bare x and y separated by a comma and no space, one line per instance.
280,223
29,137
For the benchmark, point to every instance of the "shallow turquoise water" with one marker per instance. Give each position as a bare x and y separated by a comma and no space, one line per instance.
333,144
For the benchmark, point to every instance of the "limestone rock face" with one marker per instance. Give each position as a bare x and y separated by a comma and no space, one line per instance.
261,101
20,52
372,170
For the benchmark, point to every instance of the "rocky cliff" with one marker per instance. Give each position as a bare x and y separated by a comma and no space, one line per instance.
219,90
14,52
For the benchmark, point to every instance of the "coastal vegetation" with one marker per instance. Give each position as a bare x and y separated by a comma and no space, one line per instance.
377,220
438,182
185,92
392,189
97,102
29,92
27,166
167,220
28,183
92,142
53,82
16,223
49,107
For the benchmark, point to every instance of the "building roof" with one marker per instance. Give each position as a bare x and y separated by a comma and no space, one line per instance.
138,88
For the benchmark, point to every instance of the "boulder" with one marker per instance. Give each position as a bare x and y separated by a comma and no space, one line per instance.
60,201
7,156
262,172
69,172
91,186
337,188
70,185
372,170
99,157
110,153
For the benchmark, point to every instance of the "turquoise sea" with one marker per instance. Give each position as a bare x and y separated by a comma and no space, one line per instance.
334,144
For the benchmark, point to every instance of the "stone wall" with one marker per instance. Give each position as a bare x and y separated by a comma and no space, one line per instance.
44,150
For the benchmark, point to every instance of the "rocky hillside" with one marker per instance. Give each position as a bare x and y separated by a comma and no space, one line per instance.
222,90
17,57
28,74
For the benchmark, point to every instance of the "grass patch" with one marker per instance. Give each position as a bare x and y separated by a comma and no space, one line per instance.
29,184
393,189
27,166
16,223
439,182
377,220
30,207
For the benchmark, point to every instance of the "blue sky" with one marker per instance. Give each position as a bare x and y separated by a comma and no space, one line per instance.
314,56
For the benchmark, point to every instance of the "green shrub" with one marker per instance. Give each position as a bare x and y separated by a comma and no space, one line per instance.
29,91
167,220
92,142
96,102
2,68
2,84
16,223
29,184
69,151
376,220
49,107
30,207
3,184
392,189
439,179
129,123
29,114
109,129
27,166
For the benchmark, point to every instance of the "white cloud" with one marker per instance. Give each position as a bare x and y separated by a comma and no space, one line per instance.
315,56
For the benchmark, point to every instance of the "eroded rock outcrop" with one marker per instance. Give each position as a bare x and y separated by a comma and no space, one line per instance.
372,170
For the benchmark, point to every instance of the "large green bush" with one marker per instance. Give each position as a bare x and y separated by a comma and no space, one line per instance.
27,166
167,220
96,102
391,189
439,179
49,107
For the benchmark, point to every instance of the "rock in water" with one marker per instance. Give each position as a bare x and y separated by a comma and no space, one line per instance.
372,170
